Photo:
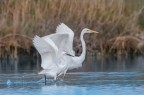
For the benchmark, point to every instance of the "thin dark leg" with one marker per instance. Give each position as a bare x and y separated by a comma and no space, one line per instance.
45,79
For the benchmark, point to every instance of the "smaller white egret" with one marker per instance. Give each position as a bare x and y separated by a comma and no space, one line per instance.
57,52
52,58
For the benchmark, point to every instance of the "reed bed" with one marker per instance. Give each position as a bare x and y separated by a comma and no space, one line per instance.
112,18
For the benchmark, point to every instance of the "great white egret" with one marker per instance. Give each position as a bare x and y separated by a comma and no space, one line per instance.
57,52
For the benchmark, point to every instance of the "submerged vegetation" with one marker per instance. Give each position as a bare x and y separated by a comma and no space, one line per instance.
120,23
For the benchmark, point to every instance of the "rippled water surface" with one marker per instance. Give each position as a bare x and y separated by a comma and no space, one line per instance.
77,83
106,77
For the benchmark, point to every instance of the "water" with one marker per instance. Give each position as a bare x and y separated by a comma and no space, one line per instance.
108,77
77,83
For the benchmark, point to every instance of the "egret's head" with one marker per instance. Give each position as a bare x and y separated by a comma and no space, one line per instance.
86,30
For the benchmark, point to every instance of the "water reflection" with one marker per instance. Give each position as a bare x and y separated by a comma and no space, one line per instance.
108,76
114,64
91,64
21,64
75,83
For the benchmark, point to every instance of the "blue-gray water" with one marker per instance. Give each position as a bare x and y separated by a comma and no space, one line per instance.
96,77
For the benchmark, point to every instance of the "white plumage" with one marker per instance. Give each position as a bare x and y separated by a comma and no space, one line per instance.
63,38
57,52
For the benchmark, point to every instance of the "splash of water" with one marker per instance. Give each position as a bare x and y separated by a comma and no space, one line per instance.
9,82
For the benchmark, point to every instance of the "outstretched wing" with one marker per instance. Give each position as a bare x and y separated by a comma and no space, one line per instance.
63,38
48,51
62,28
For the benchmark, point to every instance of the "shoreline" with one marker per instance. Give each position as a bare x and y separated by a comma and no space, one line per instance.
15,45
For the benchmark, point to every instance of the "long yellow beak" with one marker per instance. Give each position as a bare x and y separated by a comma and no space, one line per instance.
92,31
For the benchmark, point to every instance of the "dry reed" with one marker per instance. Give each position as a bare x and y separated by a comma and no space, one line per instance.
112,18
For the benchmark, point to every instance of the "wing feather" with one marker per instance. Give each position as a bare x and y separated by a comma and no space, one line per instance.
62,28
48,51
63,38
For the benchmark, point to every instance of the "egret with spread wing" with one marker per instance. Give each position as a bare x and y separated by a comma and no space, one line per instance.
57,52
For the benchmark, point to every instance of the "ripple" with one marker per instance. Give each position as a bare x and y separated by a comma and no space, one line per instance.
82,83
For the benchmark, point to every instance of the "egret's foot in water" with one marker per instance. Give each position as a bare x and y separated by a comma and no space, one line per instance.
58,82
54,81
45,79
61,79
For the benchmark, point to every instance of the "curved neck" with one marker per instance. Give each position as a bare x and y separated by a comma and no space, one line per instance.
82,56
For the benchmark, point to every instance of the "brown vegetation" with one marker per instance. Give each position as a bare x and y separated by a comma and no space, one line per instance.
114,19
11,45
123,45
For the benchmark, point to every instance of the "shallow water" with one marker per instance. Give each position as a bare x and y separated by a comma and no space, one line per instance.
77,83
107,77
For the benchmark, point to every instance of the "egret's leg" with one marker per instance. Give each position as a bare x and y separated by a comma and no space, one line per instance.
45,79
55,78
64,73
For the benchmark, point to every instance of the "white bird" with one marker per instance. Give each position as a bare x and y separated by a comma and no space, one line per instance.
57,52
52,58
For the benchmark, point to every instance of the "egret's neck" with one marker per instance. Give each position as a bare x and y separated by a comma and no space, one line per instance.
82,56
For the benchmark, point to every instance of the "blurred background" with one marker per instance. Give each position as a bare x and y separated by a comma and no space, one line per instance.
120,23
